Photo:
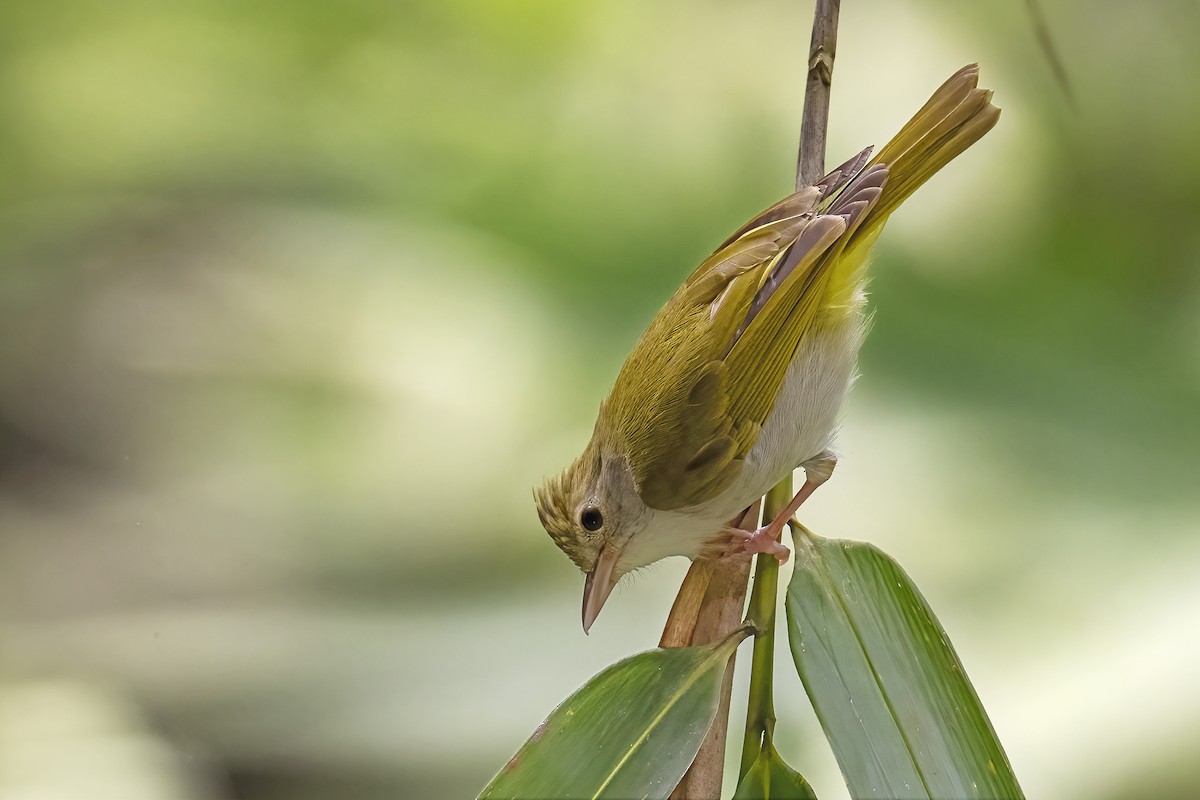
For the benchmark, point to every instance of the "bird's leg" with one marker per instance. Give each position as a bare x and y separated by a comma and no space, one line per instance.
766,539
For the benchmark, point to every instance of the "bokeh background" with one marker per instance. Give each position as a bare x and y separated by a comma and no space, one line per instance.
299,299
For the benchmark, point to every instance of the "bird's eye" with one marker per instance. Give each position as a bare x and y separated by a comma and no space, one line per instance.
591,518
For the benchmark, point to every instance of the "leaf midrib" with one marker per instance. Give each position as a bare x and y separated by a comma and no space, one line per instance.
858,638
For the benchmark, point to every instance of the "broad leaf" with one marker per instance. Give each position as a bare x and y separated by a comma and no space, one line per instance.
887,686
771,779
631,731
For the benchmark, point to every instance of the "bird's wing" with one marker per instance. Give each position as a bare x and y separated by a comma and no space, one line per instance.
693,395
789,302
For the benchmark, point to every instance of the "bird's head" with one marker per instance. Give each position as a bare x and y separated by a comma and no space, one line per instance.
592,510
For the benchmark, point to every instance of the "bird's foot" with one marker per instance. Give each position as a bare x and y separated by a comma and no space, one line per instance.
766,539
763,540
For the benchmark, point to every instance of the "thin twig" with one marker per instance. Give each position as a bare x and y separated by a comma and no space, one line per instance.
810,163
1041,29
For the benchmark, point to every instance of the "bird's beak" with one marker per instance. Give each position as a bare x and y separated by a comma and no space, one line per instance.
599,585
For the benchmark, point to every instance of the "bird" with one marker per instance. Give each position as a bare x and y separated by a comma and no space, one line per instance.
740,378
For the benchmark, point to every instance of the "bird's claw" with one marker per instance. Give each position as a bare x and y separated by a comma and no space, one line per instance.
759,541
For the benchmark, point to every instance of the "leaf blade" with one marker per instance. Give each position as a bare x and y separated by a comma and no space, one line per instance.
631,731
887,686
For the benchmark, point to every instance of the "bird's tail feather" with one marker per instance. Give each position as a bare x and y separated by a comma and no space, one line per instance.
957,115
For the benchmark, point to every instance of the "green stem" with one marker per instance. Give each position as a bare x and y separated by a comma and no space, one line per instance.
760,708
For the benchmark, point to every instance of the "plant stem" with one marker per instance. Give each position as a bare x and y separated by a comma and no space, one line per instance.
709,605
810,164
760,708
685,611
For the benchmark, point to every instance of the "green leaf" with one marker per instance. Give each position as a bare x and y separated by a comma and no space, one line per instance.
631,731
771,779
887,686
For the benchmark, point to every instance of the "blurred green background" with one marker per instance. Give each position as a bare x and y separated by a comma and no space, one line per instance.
299,299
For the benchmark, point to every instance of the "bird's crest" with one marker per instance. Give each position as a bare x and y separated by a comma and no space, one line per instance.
557,500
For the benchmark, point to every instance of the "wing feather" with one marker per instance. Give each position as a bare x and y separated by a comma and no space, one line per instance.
691,443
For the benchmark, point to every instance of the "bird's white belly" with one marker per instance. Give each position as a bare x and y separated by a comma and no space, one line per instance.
805,418
801,425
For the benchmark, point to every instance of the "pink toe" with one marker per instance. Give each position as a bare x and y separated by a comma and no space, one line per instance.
762,542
